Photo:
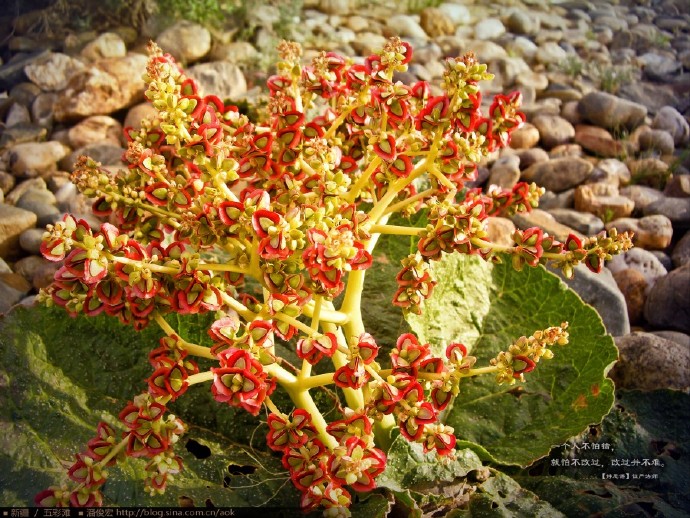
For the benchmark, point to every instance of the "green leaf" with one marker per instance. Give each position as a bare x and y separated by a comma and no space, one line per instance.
487,307
408,466
642,425
501,496
455,487
60,377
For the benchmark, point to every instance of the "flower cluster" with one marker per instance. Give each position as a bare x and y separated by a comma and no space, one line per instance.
296,201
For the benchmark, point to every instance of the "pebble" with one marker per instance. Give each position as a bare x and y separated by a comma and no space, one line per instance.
529,157
435,23
633,286
220,78
603,200
17,114
336,6
650,362
405,25
500,230
41,202
106,45
651,232
7,181
35,158
585,223
42,109
601,291
522,22
668,301
526,136
675,336
545,221
675,209
553,130
102,89
505,172
681,252
652,172
550,53
95,129
106,154
558,174
660,141
641,195
13,222
25,93
489,29
240,53
139,112
30,240
22,187
598,141
641,260
13,288
678,186
456,13
186,41
53,71
670,120
611,112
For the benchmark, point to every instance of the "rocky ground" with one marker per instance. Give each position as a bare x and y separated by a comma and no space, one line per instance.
606,92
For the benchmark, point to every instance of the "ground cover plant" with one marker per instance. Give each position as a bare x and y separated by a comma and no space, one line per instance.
241,248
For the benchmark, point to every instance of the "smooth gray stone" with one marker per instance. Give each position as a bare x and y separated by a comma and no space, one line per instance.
600,291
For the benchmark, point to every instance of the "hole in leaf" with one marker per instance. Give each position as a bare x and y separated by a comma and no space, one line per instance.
185,501
197,449
234,469
502,494
209,504
494,505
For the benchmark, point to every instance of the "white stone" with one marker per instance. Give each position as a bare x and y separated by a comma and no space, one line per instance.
186,41
489,29
53,72
404,25
550,53
219,78
107,45
458,14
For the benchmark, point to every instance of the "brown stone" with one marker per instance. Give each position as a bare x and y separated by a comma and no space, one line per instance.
110,85
652,172
633,286
603,200
558,174
435,23
546,222
678,186
650,232
598,141
500,231
527,136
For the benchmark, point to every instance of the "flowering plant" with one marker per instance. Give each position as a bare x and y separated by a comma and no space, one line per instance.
295,203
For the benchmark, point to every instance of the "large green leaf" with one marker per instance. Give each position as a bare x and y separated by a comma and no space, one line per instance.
646,430
60,377
458,486
487,307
